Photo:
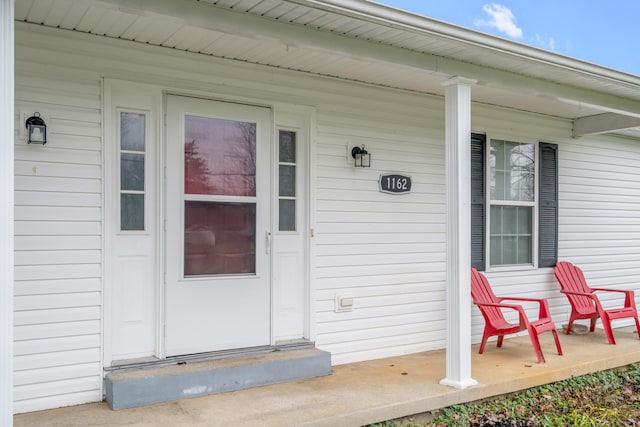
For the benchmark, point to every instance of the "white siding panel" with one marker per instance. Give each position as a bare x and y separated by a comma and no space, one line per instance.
30,168
37,198
599,203
57,213
43,287
45,389
58,257
54,330
86,350
58,227
56,242
38,317
48,301
387,251
42,272
37,183
72,343
57,373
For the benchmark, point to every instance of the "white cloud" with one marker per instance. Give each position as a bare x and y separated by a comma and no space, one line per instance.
502,19
545,41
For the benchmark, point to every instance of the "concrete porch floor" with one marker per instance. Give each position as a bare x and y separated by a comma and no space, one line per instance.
368,392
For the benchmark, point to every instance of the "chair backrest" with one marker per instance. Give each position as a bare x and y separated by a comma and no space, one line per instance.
480,288
571,278
481,293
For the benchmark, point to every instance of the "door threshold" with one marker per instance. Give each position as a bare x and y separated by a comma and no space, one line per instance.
151,361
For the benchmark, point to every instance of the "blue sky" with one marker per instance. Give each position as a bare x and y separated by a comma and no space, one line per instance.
605,33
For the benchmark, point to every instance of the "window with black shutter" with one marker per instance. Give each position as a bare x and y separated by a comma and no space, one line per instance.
503,203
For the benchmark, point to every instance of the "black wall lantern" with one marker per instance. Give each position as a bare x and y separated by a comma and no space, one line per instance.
361,157
36,129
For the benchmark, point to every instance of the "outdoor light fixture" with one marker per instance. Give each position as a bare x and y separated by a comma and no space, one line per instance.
361,157
36,129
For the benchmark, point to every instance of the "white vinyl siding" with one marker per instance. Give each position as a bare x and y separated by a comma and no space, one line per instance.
385,250
58,226
599,210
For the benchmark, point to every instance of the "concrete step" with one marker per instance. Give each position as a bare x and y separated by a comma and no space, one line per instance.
128,388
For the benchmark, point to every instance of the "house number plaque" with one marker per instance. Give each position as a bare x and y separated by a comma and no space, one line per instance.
395,184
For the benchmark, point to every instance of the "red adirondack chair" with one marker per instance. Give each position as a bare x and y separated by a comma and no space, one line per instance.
585,304
491,308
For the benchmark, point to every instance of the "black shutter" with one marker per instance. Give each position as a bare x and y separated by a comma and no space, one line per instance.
478,201
548,205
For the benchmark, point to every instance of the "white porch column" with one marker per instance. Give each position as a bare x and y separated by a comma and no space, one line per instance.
458,170
6,210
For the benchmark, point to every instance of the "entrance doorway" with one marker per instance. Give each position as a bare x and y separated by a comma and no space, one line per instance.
218,217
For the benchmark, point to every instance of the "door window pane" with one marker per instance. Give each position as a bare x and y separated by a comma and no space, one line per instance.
220,157
132,132
131,212
219,238
132,170
287,215
287,147
287,180
287,170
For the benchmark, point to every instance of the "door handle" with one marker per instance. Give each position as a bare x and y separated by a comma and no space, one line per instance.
267,238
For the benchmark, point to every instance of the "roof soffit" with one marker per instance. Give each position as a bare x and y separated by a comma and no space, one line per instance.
303,43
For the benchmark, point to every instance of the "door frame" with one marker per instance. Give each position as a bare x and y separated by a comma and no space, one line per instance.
154,100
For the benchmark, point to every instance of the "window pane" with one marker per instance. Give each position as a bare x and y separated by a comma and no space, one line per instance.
509,250
219,238
287,214
524,250
131,212
496,221
287,181
219,157
512,171
498,184
509,220
287,147
131,132
131,172
525,222
496,250
511,235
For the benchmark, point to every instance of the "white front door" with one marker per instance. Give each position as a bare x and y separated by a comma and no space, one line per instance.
218,216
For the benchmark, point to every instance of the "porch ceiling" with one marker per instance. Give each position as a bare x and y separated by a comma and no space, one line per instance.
357,40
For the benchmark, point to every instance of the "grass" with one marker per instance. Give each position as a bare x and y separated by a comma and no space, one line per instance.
607,398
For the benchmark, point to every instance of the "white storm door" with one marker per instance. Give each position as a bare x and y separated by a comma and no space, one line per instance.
218,237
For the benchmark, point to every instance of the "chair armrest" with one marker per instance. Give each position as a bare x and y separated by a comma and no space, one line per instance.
497,304
613,290
629,298
543,312
584,294
524,320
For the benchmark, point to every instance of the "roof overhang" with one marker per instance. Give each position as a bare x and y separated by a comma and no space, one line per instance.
366,42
